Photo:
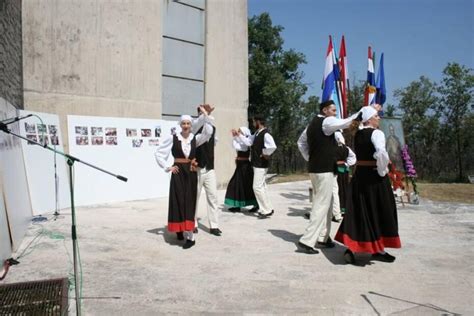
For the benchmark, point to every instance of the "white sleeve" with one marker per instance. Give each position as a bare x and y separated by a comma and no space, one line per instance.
332,123
205,135
381,155
351,158
238,145
303,145
200,121
163,152
269,145
247,141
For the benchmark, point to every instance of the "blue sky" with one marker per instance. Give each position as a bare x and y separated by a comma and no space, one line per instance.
417,37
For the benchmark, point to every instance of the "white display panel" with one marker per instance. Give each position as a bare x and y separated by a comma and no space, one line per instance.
122,146
5,246
39,162
13,174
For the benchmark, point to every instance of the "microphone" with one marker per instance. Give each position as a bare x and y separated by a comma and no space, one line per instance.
16,119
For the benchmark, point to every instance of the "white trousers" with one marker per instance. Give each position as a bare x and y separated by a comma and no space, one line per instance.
336,205
260,190
207,180
319,226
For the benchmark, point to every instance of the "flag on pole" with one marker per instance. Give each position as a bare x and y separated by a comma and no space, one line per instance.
370,86
381,94
330,76
343,77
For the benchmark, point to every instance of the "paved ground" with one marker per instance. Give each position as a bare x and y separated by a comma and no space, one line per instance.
132,266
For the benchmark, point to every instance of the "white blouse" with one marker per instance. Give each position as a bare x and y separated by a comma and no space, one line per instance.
164,148
269,142
381,155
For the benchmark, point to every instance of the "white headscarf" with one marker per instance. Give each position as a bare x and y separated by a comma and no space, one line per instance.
245,131
185,117
367,113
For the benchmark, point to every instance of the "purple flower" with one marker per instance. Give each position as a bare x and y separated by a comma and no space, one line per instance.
409,167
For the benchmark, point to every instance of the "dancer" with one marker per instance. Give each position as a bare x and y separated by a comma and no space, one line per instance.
318,146
371,225
239,191
183,183
207,175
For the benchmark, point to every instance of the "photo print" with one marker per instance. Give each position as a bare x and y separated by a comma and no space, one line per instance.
110,140
158,131
41,128
153,142
43,139
173,131
33,138
131,132
97,131
30,128
146,132
54,140
110,131
97,140
137,143
53,129
82,140
81,130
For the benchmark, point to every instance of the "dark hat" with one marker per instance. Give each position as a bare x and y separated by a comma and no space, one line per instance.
324,104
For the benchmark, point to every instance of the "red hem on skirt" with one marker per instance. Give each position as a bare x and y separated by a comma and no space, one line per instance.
368,246
181,226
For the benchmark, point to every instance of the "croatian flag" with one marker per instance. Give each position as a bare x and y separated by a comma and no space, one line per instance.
330,77
370,89
343,73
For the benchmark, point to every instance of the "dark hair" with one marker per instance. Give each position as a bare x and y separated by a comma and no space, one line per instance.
260,118
324,104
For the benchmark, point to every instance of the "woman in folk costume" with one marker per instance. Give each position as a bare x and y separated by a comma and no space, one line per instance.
345,158
183,184
239,190
371,225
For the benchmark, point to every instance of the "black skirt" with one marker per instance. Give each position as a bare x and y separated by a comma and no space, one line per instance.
182,199
240,188
371,224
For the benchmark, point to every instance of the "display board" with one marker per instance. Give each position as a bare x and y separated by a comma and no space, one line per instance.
123,146
44,166
13,178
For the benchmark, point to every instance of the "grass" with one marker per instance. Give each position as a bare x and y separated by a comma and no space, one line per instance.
440,192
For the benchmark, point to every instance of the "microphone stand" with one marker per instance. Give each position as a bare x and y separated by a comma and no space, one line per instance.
70,161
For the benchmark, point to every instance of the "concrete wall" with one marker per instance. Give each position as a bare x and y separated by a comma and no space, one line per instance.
11,86
92,57
226,75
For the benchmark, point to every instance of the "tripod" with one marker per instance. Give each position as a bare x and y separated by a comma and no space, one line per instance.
70,161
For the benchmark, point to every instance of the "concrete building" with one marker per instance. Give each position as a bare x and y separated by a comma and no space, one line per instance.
138,59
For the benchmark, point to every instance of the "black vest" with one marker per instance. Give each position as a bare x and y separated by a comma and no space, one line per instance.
322,148
257,147
177,149
363,146
205,152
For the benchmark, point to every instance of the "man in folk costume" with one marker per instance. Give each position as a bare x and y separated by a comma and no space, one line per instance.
183,182
345,158
207,175
371,225
317,145
262,147
239,191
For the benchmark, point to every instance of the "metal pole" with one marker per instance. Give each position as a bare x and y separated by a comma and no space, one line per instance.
70,163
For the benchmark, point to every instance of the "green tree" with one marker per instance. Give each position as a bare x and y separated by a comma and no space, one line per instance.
420,123
276,87
355,98
456,107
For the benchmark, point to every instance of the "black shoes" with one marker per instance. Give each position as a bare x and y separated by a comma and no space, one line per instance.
253,209
195,231
180,235
215,231
336,220
349,257
386,257
306,249
328,244
188,244
307,215
263,216
234,209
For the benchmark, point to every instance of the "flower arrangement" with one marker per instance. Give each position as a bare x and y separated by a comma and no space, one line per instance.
396,177
409,168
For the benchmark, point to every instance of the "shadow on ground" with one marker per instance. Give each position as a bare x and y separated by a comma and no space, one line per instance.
298,211
295,196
